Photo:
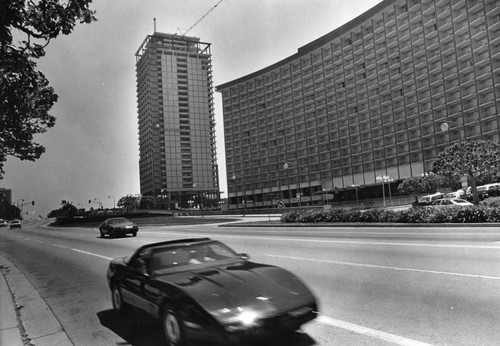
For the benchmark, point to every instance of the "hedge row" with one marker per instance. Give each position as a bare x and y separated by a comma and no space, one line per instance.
474,214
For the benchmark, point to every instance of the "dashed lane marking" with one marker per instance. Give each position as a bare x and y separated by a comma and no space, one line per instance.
90,253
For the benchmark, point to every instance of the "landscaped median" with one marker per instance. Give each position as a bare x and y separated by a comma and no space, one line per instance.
473,214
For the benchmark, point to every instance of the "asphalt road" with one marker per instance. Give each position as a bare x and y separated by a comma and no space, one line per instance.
376,286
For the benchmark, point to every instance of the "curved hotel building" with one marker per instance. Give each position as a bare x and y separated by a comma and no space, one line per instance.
364,103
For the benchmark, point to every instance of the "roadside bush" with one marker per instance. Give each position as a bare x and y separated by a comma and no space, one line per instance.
491,202
337,215
493,215
472,215
475,214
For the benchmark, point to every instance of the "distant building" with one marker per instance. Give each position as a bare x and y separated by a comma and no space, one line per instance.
6,209
5,196
366,100
177,147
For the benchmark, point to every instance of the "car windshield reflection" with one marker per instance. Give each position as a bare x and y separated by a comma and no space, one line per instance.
168,258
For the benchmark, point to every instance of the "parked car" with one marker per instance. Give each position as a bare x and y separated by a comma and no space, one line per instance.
3,223
202,290
450,202
455,194
484,191
15,224
429,199
118,226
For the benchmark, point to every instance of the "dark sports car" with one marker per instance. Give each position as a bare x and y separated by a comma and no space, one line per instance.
118,226
202,290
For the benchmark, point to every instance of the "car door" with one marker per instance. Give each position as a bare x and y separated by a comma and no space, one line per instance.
153,290
133,282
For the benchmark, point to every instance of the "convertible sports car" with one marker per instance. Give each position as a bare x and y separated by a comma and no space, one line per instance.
118,226
202,290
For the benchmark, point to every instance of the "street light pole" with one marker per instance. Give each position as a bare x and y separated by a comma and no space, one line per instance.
383,178
114,204
243,197
445,126
356,186
285,166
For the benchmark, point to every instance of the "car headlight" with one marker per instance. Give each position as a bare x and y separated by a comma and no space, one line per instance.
247,318
243,319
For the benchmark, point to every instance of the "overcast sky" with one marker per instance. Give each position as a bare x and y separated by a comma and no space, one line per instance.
92,151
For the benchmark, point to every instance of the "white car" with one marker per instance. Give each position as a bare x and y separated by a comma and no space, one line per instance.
429,199
15,224
456,194
450,202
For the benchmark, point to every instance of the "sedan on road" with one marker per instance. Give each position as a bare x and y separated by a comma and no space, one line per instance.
202,290
15,224
118,226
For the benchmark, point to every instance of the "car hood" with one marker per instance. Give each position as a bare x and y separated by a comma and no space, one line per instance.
225,290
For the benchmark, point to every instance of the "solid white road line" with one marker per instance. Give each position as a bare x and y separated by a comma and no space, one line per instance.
90,254
351,242
376,334
387,267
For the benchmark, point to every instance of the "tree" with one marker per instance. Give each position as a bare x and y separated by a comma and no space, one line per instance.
475,160
429,182
147,202
129,202
9,211
67,210
25,95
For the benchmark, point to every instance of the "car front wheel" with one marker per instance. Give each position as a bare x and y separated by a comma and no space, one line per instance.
116,297
172,328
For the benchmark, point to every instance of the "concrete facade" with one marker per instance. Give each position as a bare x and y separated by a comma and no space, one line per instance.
364,104
178,162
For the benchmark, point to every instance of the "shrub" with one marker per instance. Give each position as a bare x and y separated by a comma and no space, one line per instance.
475,214
491,202
471,215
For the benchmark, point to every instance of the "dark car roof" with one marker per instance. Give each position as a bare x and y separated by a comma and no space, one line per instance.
117,219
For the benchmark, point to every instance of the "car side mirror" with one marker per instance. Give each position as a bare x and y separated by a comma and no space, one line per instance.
244,256
141,266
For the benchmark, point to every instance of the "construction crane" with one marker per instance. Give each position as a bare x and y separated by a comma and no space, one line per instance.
203,17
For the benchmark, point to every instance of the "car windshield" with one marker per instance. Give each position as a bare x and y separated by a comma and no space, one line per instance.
117,221
166,258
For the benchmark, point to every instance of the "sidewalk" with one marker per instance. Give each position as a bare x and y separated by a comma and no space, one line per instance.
10,334
25,318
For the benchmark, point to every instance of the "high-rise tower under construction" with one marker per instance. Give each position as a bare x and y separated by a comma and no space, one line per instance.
177,147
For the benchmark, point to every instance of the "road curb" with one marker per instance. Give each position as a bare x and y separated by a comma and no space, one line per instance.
9,325
35,321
